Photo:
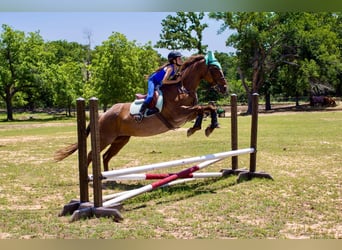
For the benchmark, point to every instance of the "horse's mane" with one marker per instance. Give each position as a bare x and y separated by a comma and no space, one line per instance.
191,60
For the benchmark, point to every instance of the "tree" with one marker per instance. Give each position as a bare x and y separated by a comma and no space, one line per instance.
257,37
183,31
320,51
119,68
67,72
20,64
298,47
312,41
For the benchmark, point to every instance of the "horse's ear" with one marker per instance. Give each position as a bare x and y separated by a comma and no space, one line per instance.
211,60
209,57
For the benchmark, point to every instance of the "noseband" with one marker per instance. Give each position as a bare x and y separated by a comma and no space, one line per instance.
211,68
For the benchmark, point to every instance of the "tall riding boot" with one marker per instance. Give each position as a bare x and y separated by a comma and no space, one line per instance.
138,117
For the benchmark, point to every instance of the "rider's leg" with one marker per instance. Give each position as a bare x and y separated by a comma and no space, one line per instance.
146,102
138,117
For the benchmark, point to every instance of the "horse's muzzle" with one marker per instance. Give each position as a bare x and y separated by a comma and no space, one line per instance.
221,88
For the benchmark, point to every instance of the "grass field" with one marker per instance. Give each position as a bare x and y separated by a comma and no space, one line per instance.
301,150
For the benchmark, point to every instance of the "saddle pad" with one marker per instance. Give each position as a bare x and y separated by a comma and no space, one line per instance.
136,104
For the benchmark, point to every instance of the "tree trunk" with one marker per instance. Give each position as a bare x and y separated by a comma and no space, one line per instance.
9,107
297,100
69,111
249,108
268,101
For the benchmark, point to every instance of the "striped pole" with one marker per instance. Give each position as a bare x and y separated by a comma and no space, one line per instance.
174,163
172,183
153,176
159,183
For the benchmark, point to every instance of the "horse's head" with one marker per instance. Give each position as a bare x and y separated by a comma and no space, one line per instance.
203,67
216,79
215,75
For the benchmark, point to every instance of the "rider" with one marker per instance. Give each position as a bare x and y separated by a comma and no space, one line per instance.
163,75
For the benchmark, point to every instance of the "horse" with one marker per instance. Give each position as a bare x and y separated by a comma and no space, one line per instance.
329,101
117,125
322,101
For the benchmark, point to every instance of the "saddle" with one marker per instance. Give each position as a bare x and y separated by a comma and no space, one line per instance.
153,103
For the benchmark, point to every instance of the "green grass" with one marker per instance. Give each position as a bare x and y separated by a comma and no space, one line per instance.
300,150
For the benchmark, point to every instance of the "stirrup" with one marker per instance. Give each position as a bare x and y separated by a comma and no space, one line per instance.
138,117
152,111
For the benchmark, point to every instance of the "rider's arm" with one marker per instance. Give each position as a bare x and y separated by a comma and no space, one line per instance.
167,77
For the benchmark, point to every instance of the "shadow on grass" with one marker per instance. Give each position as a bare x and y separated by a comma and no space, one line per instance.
176,193
107,185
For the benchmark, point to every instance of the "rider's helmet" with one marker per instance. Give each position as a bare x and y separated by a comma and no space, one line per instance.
173,55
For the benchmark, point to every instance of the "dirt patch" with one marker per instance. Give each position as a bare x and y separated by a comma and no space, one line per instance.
34,125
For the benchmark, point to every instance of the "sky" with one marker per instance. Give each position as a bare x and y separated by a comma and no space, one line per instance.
139,26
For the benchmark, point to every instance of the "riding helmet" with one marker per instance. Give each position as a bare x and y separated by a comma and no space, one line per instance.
173,55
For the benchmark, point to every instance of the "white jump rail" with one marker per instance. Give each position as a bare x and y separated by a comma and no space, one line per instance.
172,183
155,166
137,177
159,183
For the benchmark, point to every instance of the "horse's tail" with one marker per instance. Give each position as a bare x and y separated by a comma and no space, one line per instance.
65,152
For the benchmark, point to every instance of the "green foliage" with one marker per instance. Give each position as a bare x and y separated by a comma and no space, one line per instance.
119,68
277,53
20,64
183,31
288,52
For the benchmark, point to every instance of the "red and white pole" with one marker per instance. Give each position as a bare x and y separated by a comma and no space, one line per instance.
155,166
154,185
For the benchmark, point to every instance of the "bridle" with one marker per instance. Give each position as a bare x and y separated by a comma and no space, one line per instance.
211,68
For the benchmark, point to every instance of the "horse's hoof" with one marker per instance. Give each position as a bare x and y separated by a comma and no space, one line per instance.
189,132
208,131
192,131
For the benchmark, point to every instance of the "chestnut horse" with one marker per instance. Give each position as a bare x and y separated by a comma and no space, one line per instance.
117,125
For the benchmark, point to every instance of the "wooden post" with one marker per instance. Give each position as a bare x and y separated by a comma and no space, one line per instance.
95,149
234,138
75,204
83,208
82,150
254,135
234,129
254,131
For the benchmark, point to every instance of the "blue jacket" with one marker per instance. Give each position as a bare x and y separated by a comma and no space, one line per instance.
157,77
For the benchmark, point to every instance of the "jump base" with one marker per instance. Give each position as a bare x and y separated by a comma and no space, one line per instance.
244,174
84,210
247,176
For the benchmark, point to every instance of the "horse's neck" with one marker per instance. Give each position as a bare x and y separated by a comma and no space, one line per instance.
193,75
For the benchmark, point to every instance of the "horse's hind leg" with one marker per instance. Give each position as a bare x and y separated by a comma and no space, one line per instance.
114,148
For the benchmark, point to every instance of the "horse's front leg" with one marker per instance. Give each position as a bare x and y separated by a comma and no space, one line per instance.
214,123
198,112
197,125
